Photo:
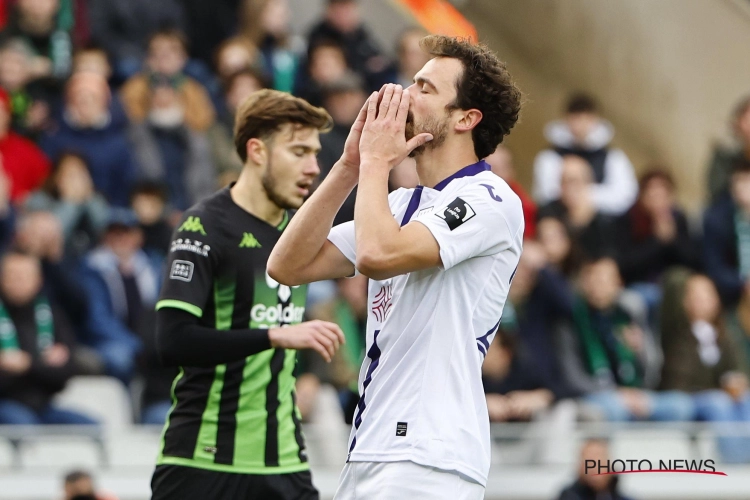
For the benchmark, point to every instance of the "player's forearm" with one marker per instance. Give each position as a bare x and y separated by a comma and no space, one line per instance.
377,231
308,230
180,341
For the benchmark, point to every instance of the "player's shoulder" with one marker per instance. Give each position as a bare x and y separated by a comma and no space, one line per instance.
488,188
205,217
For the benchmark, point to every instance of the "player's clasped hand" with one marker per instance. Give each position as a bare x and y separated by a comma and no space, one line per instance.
384,135
322,336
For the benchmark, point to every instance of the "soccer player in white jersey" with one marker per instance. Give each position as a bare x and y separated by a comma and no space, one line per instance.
440,259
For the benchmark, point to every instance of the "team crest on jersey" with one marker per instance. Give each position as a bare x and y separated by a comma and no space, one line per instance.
456,213
382,303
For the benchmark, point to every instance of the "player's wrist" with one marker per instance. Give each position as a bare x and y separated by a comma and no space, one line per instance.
274,337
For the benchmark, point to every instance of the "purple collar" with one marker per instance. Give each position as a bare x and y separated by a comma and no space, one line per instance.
473,169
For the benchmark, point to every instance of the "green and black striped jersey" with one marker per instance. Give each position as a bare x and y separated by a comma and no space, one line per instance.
238,417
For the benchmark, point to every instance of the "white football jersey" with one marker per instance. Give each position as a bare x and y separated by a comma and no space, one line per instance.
420,385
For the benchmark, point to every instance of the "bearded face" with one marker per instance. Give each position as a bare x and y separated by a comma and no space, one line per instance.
437,126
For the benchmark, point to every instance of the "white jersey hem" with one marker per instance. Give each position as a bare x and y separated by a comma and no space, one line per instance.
448,466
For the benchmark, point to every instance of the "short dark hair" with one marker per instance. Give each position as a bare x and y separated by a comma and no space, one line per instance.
581,103
76,475
150,188
265,111
172,34
485,85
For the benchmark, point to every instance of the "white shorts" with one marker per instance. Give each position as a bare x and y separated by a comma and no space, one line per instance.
404,480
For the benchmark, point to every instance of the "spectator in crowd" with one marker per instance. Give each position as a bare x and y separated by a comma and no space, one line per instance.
411,57
592,231
40,234
45,27
122,283
235,55
90,127
724,157
559,249
653,236
326,64
702,359
24,164
79,485
35,347
502,165
30,97
236,89
169,151
726,239
167,57
69,194
149,204
343,98
540,298
584,133
7,214
265,23
123,27
342,24
92,59
590,485
609,354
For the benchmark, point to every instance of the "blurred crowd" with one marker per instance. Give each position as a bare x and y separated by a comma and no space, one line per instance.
116,115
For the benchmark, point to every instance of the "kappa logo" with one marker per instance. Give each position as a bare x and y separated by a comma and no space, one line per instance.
192,225
456,213
249,241
182,270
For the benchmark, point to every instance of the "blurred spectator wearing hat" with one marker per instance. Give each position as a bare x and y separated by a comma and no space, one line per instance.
45,27
36,344
24,164
725,156
122,284
237,88
123,28
169,150
166,62
89,127
265,23
502,165
342,24
69,194
584,133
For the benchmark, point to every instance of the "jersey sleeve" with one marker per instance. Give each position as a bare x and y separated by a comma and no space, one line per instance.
191,265
342,236
476,222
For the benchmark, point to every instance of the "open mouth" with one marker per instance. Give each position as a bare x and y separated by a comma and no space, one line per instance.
303,187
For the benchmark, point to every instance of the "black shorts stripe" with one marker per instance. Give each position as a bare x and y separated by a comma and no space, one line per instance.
227,425
185,420
272,405
302,454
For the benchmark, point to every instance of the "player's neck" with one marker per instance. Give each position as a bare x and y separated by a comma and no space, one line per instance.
434,165
248,193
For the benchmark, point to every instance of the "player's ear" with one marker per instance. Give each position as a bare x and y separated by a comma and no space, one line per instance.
257,153
468,119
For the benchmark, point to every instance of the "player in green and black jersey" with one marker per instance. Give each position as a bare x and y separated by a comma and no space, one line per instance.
233,431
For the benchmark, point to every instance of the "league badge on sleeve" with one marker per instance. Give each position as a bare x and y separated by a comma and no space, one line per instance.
456,213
